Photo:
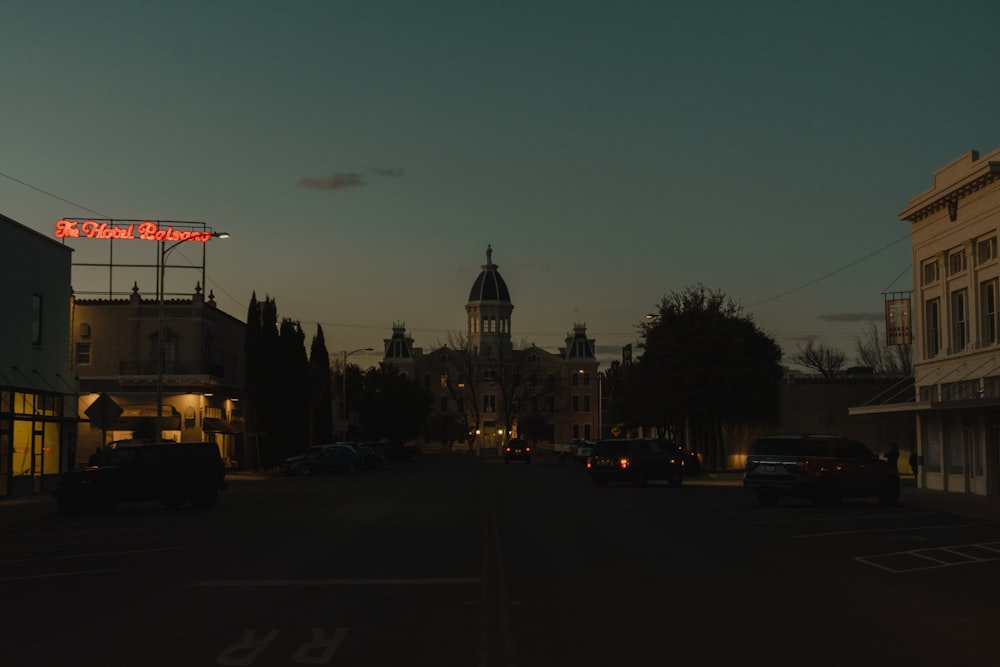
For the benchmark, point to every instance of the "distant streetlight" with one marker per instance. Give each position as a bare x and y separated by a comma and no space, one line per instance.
161,265
347,422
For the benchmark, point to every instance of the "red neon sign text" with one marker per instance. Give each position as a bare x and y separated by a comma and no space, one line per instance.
144,231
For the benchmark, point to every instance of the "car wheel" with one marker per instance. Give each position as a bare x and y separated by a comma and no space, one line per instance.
351,468
675,478
305,471
767,497
889,494
639,480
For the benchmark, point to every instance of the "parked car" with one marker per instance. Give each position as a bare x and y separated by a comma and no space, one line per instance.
173,473
822,468
635,460
339,457
565,450
371,458
517,450
583,450
396,450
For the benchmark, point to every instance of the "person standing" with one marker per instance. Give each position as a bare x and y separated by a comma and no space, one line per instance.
913,461
892,455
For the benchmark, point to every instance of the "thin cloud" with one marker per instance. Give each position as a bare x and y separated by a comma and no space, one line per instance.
388,172
853,317
335,182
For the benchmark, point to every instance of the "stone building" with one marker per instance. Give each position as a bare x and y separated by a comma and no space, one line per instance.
114,347
487,389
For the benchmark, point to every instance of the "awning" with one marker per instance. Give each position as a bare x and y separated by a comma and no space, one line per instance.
216,425
990,403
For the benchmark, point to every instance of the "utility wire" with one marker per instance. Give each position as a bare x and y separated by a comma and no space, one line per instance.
29,185
831,274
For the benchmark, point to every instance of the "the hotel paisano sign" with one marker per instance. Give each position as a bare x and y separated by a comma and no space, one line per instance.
142,230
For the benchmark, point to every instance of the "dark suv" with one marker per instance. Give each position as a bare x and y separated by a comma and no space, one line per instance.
635,461
822,468
173,473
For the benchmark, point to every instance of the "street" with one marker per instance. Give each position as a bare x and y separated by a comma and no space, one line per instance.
469,562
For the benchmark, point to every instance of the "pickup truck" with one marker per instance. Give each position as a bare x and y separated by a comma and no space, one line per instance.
170,472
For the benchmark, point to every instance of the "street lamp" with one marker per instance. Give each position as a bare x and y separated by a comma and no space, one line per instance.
161,265
347,421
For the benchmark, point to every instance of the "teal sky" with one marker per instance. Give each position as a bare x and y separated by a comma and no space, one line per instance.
363,154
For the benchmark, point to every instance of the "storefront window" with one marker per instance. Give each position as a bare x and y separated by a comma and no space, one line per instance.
34,443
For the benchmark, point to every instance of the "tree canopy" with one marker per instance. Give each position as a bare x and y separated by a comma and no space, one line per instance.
705,364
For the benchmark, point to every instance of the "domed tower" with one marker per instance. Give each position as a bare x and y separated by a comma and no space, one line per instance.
489,310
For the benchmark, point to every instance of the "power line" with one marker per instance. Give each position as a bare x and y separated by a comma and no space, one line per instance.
45,192
832,273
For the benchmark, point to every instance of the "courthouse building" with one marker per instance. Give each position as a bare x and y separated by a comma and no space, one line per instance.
956,327
486,390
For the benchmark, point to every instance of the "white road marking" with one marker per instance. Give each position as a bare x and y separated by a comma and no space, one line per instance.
57,574
264,583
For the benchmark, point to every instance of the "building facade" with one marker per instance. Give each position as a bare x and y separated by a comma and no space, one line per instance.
38,409
956,327
486,389
115,343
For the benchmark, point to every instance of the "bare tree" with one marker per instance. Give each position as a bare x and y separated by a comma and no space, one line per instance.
825,360
464,384
885,360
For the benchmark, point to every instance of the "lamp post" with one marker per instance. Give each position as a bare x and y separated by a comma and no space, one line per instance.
161,265
343,395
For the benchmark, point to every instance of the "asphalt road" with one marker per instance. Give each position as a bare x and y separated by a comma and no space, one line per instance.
473,563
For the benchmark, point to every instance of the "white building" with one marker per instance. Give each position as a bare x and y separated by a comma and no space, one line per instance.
956,327
38,391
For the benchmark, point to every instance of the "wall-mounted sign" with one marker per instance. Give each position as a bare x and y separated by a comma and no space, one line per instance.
897,322
146,230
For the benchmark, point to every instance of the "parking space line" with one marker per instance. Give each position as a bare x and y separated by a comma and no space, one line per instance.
933,558
839,533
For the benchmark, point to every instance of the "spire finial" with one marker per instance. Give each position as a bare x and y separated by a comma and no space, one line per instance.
489,254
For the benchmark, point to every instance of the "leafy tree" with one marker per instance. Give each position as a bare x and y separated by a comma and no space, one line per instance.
825,360
705,365
391,405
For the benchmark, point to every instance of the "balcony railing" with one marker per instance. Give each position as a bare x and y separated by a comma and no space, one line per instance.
193,367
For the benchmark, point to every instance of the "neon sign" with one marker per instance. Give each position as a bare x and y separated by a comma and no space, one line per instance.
144,231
